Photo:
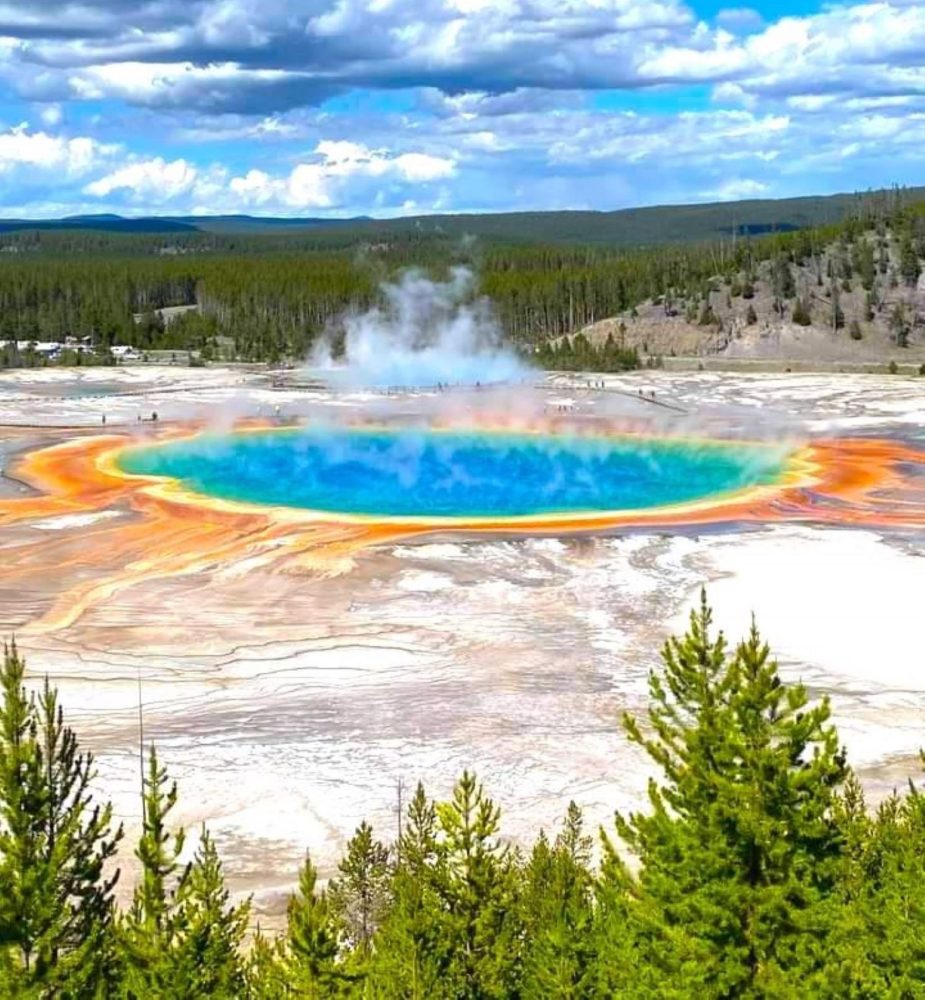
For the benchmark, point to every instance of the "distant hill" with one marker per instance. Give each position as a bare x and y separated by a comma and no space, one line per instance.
225,224
624,228
99,223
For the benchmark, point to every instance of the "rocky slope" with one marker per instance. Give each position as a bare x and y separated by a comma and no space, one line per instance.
817,309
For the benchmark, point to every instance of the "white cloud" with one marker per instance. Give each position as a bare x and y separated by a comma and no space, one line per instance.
326,181
691,137
737,189
264,57
153,180
20,148
421,167
157,84
846,49
496,101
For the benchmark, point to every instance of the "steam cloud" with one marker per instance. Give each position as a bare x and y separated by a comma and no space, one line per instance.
428,333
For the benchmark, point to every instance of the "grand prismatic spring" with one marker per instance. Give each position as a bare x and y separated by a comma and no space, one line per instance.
318,593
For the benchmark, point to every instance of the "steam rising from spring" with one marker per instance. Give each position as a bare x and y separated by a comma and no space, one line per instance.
427,333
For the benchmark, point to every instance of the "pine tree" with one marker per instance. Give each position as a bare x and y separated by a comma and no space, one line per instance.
800,314
56,904
359,896
151,930
479,894
211,930
265,971
411,948
898,325
707,316
782,284
557,913
865,264
837,315
878,947
740,851
312,945
909,266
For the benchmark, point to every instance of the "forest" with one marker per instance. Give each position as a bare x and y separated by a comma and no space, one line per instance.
755,870
626,227
267,297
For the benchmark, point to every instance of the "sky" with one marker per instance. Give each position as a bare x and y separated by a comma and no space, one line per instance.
406,107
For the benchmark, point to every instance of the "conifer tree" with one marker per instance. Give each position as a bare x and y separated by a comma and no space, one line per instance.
782,284
266,974
909,266
411,947
557,913
479,894
312,946
800,314
899,326
359,896
56,905
151,930
211,930
865,264
837,316
878,947
741,850
883,258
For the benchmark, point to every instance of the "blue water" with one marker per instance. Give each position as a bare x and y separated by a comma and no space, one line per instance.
414,472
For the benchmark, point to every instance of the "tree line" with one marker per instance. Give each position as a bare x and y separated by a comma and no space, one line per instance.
756,870
259,299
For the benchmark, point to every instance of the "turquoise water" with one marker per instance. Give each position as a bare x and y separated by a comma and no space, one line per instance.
413,472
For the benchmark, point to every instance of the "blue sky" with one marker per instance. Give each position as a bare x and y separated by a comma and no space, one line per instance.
390,107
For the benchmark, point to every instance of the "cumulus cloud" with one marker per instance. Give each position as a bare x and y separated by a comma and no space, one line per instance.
866,48
333,177
482,103
147,179
257,57
337,166
266,56
41,151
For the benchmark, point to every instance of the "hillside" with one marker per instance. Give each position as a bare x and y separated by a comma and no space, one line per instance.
860,298
633,227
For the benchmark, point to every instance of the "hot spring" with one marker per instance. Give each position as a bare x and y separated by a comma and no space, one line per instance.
428,473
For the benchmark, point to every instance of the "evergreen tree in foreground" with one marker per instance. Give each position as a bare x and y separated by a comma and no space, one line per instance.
151,929
741,851
478,895
557,908
312,966
56,906
359,896
878,948
411,950
212,930
182,936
